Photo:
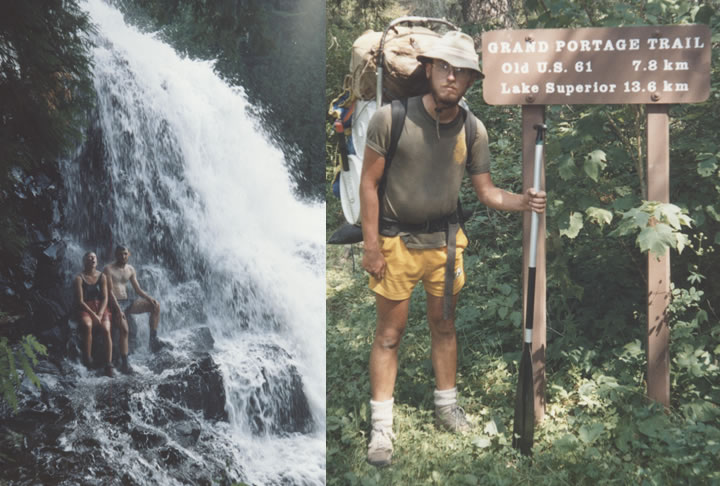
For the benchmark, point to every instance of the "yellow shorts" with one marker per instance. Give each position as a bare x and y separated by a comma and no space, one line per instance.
405,267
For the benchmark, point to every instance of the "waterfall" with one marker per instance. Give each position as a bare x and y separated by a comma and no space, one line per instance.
177,169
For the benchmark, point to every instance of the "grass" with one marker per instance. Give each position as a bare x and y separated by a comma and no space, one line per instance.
599,427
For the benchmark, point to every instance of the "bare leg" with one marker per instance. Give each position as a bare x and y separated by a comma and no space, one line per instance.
144,306
155,316
105,326
444,342
392,318
86,329
123,333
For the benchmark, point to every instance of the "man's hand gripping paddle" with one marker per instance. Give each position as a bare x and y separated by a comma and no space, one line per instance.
524,423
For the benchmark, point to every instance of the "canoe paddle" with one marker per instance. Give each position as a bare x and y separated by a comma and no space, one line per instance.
524,423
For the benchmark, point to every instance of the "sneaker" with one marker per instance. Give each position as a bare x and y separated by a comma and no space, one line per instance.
452,418
109,370
380,448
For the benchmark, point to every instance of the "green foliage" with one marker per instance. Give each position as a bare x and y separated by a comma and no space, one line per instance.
45,90
659,224
17,361
44,80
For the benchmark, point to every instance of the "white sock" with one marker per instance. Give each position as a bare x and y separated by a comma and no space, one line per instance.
444,398
381,414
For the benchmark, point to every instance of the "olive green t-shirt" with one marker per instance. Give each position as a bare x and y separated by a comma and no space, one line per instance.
423,181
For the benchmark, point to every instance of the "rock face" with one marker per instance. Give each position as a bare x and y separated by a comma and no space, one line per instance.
121,430
279,404
199,386
31,281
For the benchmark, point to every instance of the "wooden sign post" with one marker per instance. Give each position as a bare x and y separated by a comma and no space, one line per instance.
651,65
658,332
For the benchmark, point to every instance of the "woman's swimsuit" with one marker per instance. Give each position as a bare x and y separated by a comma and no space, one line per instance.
91,291
92,296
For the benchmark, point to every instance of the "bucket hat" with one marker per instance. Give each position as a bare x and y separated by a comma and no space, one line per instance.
456,49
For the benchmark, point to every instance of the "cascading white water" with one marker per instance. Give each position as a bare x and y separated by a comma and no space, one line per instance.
204,200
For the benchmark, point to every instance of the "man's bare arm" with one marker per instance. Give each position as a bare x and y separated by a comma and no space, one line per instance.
136,286
492,196
372,171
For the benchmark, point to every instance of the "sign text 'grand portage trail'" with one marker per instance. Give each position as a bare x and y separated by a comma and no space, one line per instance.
650,64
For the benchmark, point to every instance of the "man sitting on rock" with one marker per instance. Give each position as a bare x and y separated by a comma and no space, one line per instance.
119,273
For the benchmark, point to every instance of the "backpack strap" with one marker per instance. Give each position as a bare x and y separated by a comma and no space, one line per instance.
398,112
454,224
470,131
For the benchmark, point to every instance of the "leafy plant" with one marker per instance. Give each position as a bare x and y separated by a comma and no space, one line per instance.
17,361
659,226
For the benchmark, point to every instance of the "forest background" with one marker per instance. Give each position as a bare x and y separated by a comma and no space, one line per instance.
599,427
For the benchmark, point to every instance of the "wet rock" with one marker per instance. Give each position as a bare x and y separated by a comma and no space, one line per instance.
82,429
40,419
279,405
6,289
26,270
199,341
88,442
198,387
55,251
171,456
47,310
11,442
73,345
187,434
48,272
113,401
166,413
55,340
145,438
202,340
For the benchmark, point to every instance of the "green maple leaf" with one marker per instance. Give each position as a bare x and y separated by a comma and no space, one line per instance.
595,161
657,239
707,165
589,433
599,216
574,226
566,167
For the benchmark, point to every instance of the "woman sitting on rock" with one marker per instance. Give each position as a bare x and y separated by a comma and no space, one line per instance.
92,297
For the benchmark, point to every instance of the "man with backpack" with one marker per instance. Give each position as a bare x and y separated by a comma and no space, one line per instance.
414,161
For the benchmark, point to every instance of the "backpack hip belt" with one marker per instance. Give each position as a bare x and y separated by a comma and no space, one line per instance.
392,228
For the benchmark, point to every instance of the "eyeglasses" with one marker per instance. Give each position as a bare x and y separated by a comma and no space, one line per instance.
461,74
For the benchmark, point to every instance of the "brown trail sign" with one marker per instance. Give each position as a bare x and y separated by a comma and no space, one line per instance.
652,65
655,64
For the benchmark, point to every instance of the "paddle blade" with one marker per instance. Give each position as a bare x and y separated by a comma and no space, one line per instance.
524,423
